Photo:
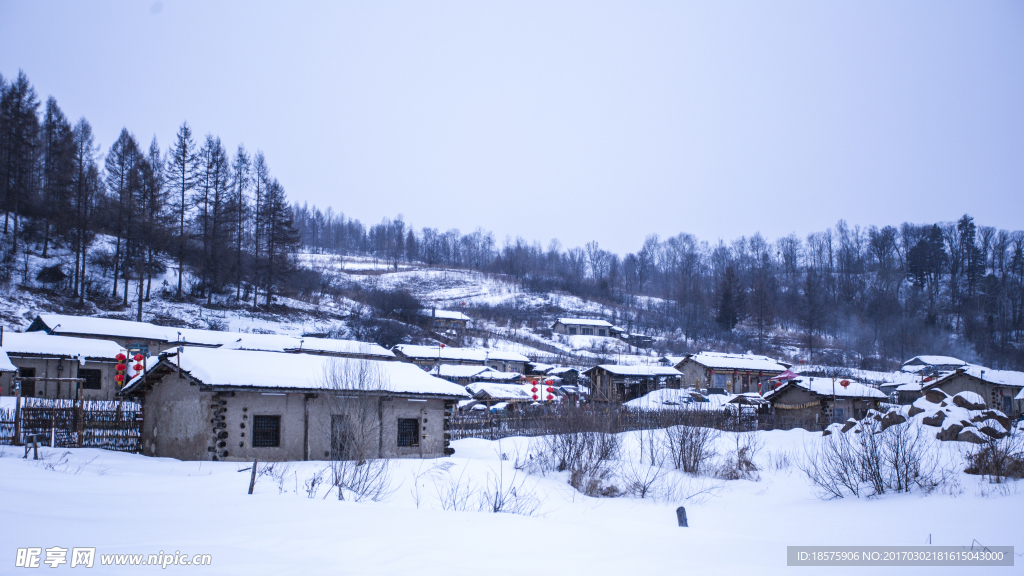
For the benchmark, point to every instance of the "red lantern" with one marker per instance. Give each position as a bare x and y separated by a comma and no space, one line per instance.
120,357
534,396
844,383
137,357
120,367
550,389
549,382
534,389
550,397
119,377
137,367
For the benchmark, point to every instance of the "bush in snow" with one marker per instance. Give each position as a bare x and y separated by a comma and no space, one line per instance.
999,458
582,443
871,461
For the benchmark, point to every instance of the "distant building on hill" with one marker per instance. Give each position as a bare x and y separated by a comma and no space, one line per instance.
585,327
445,320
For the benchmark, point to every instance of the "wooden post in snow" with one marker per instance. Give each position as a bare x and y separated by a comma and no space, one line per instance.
81,415
252,477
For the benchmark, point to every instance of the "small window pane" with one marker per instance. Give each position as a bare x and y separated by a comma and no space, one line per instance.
266,431
408,432
93,379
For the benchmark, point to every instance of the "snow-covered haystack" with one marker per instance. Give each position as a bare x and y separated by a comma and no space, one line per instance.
962,418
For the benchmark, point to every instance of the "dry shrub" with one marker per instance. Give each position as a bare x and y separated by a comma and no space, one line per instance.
739,464
999,459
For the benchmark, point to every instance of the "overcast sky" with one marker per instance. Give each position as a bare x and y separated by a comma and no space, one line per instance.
581,121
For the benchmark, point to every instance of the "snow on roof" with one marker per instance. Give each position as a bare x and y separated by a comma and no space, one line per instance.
500,391
64,324
445,314
824,387
561,370
285,343
16,343
1020,395
497,376
441,352
1001,377
585,322
465,354
912,387
259,369
457,371
5,362
737,361
935,361
639,370
506,355
672,360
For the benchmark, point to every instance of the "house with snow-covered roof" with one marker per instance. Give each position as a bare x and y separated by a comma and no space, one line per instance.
240,405
617,383
51,360
932,364
445,320
585,327
731,373
812,403
998,388
427,357
125,332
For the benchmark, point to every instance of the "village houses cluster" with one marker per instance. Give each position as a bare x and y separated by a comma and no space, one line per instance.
207,394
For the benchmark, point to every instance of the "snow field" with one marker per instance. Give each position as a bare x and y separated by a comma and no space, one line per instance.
123,503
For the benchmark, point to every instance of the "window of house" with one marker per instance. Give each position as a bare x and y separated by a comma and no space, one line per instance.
572,331
408,432
601,332
720,380
28,388
93,378
266,431
587,331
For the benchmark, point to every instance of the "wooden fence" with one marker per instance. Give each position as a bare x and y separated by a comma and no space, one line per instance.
492,426
112,425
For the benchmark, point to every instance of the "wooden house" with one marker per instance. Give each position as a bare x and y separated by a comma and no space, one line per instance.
813,403
729,373
614,383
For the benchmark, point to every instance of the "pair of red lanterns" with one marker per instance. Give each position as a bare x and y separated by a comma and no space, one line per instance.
121,367
550,390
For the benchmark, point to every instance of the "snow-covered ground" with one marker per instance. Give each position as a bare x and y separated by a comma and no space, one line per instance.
121,503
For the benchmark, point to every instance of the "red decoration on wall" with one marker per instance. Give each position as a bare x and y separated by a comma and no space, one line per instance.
844,383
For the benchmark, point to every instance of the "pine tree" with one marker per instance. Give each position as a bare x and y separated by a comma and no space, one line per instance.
181,176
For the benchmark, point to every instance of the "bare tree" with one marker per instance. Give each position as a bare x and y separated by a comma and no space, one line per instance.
360,468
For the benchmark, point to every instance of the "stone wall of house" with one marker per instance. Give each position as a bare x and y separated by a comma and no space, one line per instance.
183,422
63,368
179,420
694,374
961,382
